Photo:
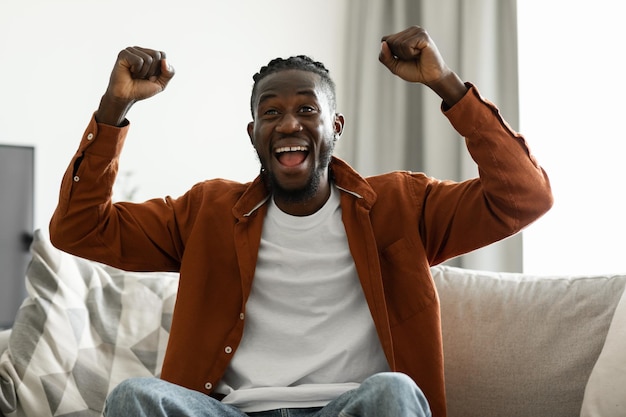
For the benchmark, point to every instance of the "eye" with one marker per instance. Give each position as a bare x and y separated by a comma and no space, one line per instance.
270,112
307,109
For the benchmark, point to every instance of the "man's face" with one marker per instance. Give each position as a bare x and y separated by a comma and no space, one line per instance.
294,132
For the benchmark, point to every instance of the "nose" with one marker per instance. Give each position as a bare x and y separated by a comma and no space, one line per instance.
289,123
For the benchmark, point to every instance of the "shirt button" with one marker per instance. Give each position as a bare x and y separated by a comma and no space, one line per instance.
228,349
90,136
241,316
76,178
208,386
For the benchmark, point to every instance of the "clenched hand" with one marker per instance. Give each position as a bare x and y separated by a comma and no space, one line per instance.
413,56
139,73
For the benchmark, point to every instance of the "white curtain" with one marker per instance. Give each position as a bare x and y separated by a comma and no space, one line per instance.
393,125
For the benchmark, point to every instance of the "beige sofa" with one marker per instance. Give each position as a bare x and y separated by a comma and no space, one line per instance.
515,345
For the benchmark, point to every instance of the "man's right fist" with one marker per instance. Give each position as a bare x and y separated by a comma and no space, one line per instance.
139,73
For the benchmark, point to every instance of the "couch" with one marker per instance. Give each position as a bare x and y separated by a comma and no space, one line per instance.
515,345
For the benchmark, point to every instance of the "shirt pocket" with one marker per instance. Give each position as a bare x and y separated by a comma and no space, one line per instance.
408,285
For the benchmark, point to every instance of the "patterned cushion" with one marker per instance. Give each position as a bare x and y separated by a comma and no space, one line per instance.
83,328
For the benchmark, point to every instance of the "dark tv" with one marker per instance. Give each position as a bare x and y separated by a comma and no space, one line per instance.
16,226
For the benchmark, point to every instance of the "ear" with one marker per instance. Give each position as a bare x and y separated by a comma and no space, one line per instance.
251,132
338,124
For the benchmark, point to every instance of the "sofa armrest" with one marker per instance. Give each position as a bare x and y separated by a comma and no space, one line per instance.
521,344
4,339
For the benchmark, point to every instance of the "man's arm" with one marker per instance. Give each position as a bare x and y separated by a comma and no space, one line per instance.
512,190
85,221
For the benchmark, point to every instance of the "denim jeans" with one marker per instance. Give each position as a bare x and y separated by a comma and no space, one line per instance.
386,394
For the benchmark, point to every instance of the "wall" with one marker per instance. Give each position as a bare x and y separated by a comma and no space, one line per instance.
56,60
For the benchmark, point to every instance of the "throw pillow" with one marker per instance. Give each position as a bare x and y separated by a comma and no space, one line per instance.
83,328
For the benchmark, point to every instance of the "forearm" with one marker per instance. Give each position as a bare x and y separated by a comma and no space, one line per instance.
112,112
511,192
450,88
512,180
86,186
86,223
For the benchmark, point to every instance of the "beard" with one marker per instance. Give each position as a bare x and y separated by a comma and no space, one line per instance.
300,195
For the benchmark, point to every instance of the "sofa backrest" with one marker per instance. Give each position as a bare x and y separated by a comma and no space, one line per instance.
518,345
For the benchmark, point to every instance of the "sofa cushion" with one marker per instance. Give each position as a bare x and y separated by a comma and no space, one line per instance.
83,328
518,345
605,394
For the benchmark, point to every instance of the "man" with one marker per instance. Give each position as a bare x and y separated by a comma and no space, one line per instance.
308,289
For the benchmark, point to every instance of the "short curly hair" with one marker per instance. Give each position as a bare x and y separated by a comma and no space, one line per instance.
299,62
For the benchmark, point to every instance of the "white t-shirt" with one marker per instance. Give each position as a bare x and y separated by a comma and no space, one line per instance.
309,335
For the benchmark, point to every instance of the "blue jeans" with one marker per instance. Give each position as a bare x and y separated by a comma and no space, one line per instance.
386,394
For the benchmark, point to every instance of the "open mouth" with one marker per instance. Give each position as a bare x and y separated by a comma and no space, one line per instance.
291,156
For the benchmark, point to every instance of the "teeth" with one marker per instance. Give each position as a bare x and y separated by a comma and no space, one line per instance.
292,149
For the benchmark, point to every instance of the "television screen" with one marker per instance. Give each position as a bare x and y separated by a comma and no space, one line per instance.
16,226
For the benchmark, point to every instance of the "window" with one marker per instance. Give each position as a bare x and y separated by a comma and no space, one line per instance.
572,110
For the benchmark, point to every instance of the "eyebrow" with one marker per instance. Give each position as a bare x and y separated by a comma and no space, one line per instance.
304,92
